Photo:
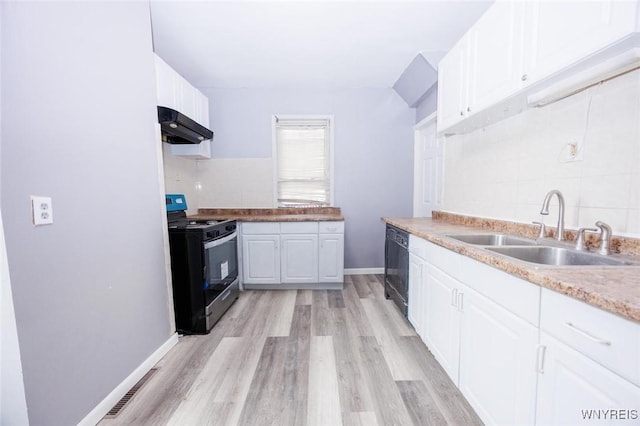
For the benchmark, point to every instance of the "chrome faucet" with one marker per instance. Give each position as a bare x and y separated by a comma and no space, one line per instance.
580,243
605,238
545,211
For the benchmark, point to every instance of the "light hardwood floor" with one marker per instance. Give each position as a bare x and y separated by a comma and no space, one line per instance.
321,357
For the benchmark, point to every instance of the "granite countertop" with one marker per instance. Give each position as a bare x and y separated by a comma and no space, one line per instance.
612,288
297,214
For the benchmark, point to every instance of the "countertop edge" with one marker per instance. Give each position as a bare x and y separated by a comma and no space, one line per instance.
272,218
551,278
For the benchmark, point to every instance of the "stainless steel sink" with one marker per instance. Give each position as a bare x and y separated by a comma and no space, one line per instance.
492,240
557,256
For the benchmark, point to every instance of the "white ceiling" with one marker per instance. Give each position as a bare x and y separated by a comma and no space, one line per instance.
305,44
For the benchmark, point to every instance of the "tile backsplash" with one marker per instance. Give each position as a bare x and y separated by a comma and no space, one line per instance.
504,171
220,182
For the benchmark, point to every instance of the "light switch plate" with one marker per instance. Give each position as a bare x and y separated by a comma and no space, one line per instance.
42,210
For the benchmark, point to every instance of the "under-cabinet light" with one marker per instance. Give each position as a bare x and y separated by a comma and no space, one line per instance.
606,70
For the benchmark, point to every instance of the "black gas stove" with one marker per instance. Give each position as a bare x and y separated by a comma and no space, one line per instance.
204,267
178,221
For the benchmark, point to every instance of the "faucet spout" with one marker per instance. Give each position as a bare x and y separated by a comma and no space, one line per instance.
545,211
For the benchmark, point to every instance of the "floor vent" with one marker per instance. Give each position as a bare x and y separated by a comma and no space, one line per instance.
127,397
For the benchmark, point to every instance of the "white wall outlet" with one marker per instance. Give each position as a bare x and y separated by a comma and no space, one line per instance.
41,210
573,151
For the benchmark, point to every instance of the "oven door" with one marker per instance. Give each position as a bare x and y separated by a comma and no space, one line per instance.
220,265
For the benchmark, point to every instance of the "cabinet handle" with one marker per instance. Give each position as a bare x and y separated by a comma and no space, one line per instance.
587,335
454,297
460,301
468,109
524,77
461,113
541,351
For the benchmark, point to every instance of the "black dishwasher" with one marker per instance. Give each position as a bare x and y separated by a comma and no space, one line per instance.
396,267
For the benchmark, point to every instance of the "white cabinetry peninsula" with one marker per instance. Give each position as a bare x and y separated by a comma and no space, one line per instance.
521,354
293,254
175,92
519,47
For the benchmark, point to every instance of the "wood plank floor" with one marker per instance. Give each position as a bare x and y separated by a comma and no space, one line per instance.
321,357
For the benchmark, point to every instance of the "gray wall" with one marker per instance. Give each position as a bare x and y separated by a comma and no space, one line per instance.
13,406
373,151
78,106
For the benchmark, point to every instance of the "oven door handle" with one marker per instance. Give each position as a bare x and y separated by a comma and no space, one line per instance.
221,241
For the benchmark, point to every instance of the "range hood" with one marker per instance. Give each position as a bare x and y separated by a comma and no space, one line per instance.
179,129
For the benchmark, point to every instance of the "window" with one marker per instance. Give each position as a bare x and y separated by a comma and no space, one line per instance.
303,157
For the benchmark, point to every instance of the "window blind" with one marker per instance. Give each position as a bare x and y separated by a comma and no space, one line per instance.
303,162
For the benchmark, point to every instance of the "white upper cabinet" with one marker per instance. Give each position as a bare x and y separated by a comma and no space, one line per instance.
452,85
495,55
165,84
560,33
175,92
484,66
519,46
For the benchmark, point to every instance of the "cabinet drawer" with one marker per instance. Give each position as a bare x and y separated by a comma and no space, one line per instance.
604,337
299,227
514,294
446,260
258,228
418,246
331,227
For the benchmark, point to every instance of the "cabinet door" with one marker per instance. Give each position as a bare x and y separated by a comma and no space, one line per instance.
572,389
331,258
165,84
442,320
261,259
416,306
495,55
452,85
562,32
187,98
299,258
497,362
202,109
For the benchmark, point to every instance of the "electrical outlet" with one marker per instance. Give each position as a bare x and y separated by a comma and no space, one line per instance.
41,210
573,151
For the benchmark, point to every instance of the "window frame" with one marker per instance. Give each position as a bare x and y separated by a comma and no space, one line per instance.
274,150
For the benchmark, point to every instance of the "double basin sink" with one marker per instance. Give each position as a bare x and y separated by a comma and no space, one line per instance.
537,252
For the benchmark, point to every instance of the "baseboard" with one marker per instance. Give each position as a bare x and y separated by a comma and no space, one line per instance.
116,395
364,271
288,286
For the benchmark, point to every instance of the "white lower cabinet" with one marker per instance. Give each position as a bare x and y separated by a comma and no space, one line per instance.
442,332
497,361
292,253
523,355
573,389
331,258
589,367
299,258
261,259
416,311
